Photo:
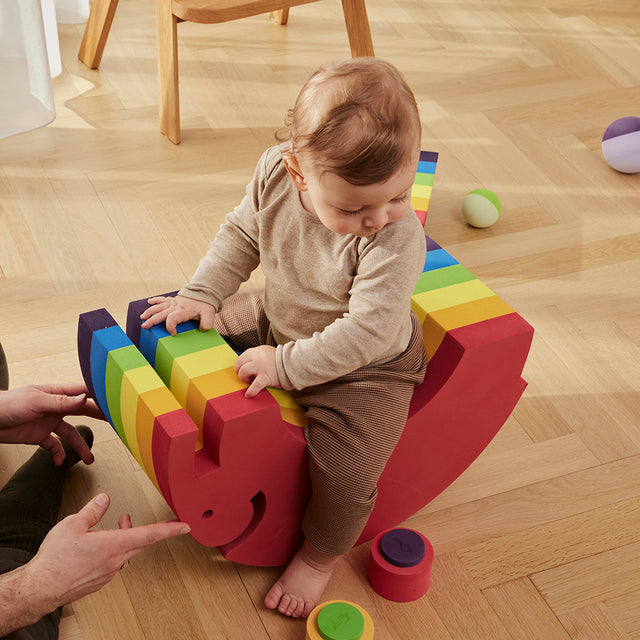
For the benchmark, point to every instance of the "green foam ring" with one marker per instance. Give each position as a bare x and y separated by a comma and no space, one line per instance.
340,621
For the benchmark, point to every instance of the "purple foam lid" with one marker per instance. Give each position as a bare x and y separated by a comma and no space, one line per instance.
402,547
621,127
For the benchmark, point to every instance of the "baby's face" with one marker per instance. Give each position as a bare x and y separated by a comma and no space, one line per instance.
361,210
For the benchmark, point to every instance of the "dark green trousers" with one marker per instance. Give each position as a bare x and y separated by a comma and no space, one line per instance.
4,371
10,557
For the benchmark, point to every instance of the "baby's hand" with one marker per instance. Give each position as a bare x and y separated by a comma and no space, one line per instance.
173,311
258,367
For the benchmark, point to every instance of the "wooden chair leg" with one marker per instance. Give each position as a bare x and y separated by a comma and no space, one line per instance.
96,32
281,16
355,17
167,25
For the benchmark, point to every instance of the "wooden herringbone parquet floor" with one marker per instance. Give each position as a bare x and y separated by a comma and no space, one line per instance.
540,538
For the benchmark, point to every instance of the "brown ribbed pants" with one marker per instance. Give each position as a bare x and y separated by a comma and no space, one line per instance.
355,422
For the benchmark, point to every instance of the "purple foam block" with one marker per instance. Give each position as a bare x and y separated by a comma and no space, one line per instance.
87,324
133,317
432,245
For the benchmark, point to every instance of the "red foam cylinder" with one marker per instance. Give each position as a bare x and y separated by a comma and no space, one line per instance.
399,583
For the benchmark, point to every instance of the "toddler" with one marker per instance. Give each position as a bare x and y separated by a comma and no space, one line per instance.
328,217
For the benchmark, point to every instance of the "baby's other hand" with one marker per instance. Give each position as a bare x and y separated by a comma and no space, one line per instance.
257,366
174,310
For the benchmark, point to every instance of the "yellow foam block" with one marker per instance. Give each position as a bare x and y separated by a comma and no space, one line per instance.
419,311
436,324
199,363
420,204
210,385
135,382
421,191
445,297
151,404
290,410
296,417
283,398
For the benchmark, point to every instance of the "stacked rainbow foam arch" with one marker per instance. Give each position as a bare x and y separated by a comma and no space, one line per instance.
423,184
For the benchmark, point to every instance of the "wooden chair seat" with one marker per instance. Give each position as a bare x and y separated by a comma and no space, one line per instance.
212,12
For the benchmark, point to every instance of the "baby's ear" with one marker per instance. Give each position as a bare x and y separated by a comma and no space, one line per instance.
295,173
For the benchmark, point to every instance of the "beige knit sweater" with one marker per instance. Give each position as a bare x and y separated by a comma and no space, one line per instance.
335,302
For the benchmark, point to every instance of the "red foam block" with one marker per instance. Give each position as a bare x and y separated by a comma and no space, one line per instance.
399,583
472,384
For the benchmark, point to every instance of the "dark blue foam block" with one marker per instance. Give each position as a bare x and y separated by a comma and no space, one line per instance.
426,167
104,341
149,342
437,259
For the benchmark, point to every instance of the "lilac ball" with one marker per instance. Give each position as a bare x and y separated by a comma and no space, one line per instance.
621,145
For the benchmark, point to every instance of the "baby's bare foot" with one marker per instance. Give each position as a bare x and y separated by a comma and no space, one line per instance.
299,588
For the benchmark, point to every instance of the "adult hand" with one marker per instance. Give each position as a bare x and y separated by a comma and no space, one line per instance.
32,414
258,367
73,561
174,310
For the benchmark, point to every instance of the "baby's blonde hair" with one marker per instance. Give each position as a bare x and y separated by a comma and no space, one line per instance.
357,119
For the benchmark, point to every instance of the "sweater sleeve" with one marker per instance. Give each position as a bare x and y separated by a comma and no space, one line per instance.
377,325
234,252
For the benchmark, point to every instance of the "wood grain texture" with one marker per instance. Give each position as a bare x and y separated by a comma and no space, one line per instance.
539,538
94,39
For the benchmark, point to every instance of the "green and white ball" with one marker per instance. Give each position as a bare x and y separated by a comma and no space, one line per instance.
481,208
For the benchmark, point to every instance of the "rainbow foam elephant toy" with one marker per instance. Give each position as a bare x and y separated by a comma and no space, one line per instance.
235,468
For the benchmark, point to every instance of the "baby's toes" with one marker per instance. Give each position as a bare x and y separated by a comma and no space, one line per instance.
285,604
298,610
274,597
